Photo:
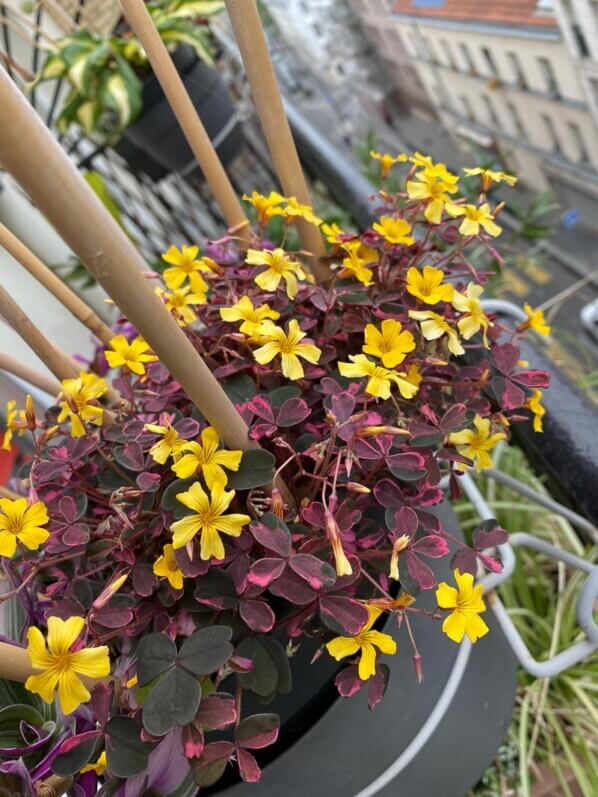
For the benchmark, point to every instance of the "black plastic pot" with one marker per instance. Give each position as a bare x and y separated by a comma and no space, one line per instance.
335,747
155,144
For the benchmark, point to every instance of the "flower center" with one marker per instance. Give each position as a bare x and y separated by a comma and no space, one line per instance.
172,565
62,663
14,525
287,347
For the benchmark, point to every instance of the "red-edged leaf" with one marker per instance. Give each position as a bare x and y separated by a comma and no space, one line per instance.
505,356
75,741
293,411
293,588
248,766
262,408
343,615
258,615
465,561
408,466
512,396
377,685
488,535
257,731
210,765
318,574
432,545
406,521
217,711
456,418
265,571
532,378
272,533
490,563
389,494
342,406
193,741
348,681
419,571
112,618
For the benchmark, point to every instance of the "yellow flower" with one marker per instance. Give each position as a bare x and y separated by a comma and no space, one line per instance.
488,177
295,209
387,161
77,407
99,767
288,345
475,217
474,317
379,379
15,422
391,345
394,231
434,326
467,604
266,206
185,266
365,643
433,185
334,234
181,303
355,266
252,317
208,519
206,458
475,444
170,444
166,566
422,161
428,285
61,666
22,523
133,355
534,403
279,266
535,321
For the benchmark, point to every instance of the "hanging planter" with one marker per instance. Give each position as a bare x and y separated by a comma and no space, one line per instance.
116,99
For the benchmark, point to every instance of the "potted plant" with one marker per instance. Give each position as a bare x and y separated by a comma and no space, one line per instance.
117,100
169,585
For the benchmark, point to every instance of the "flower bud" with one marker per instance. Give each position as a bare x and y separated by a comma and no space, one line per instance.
354,487
372,431
277,504
399,545
109,591
343,566
417,661
30,413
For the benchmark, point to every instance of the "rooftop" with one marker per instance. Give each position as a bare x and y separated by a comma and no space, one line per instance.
528,13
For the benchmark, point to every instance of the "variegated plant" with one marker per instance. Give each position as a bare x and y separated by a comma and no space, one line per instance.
105,72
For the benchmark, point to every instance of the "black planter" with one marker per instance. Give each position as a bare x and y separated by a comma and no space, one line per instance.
334,747
155,144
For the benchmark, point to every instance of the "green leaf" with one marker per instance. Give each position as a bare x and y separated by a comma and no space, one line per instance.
183,32
156,653
256,469
239,388
195,8
173,702
72,762
100,189
271,672
279,395
169,501
126,753
206,650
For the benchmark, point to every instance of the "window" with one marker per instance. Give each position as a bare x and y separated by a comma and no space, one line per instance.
491,115
467,108
515,118
467,58
553,138
549,77
450,59
580,39
429,50
490,62
576,134
517,70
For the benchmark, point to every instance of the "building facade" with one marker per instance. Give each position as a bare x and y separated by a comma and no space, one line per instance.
406,86
517,77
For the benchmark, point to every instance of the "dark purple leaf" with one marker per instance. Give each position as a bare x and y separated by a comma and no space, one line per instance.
101,699
265,571
149,482
432,545
77,534
293,411
248,766
409,466
456,418
217,711
343,615
348,681
512,396
389,494
342,406
258,731
187,428
258,615
536,378
419,571
490,563
377,685
130,456
406,521
505,356
112,618
260,405
144,580
318,574
293,588
210,766
465,561
68,508
488,535
272,533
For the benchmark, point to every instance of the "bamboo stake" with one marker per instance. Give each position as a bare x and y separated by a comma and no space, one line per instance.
245,20
54,786
5,492
18,368
191,125
55,285
14,662
37,162
61,365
